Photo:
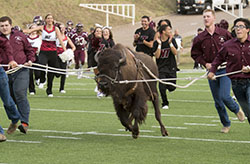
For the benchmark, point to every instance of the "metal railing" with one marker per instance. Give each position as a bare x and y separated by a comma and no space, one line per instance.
229,7
123,10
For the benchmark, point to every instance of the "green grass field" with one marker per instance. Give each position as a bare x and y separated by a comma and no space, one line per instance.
79,128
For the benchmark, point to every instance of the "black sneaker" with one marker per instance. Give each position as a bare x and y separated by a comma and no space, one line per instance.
23,128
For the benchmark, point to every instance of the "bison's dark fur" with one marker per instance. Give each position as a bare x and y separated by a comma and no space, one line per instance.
130,99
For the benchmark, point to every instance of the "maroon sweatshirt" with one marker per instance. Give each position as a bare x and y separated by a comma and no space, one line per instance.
22,50
6,53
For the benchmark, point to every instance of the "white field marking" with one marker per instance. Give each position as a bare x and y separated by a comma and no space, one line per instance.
75,84
94,97
70,97
61,137
189,90
178,90
236,122
113,113
73,111
21,141
198,84
144,131
144,136
192,101
170,127
200,124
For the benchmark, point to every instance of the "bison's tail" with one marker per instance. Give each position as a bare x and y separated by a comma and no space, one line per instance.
143,114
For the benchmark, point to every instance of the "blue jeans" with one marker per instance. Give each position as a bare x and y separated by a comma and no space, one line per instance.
1,130
241,89
19,84
9,104
220,89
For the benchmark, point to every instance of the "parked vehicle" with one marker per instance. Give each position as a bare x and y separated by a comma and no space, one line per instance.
183,6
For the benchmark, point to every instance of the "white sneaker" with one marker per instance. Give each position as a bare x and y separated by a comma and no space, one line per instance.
37,82
50,95
62,91
100,95
165,107
32,93
96,89
79,74
41,85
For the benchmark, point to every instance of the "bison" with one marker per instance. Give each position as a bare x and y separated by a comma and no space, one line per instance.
130,100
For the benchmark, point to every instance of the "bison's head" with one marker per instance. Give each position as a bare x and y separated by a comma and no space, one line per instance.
109,63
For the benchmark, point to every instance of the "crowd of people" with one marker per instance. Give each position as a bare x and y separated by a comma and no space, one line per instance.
44,42
208,51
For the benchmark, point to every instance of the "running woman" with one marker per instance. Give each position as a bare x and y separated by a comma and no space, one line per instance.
48,51
63,65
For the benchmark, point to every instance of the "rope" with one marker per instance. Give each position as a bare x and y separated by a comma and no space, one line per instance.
51,69
58,69
13,70
169,83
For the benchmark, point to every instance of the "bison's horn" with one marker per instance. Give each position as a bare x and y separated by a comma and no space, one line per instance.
123,59
97,56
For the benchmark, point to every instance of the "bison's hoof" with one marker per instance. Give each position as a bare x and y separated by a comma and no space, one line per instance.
134,136
165,134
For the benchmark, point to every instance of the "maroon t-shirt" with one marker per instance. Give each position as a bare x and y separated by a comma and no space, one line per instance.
206,46
236,54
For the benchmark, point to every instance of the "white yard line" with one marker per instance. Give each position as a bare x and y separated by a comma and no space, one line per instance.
22,141
200,124
141,130
94,97
113,113
235,122
170,127
143,136
192,90
72,111
92,89
61,137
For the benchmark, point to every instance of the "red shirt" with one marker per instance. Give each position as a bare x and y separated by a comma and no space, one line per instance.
48,39
236,54
6,52
206,46
22,50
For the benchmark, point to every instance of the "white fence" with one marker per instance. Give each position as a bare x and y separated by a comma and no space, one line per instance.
123,10
228,6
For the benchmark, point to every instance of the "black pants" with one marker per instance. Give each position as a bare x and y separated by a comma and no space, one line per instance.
62,65
91,59
37,76
163,87
50,58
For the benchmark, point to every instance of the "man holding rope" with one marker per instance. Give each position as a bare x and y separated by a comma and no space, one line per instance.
9,105
204,49
24,54
237,54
